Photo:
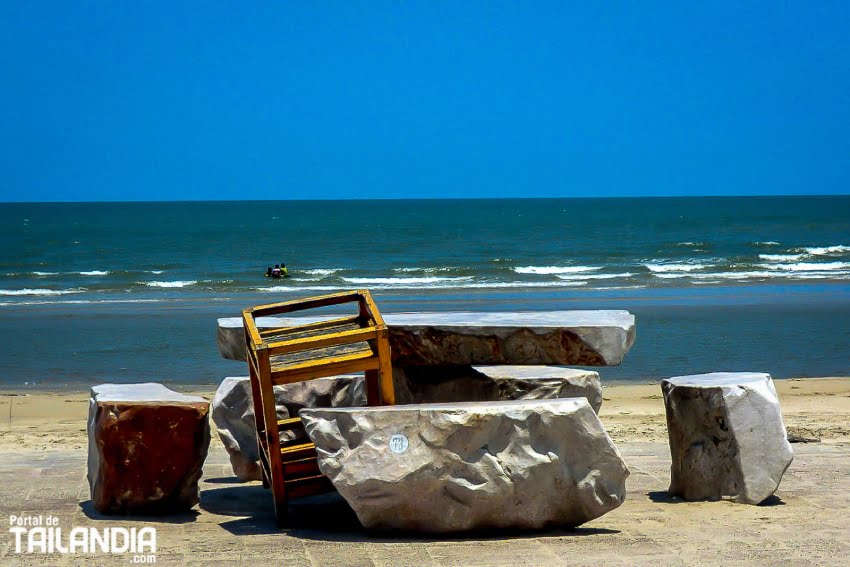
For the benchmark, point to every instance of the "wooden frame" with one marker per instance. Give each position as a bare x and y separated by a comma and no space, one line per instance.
285,355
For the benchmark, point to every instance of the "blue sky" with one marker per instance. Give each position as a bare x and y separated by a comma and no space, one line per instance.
276,100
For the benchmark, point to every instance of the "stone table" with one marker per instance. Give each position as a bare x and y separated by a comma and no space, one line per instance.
584,338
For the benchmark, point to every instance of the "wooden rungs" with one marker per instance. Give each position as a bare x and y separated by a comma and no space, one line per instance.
303,304
321,341
318,325
308,486
297,452
302,468
289,424
358,362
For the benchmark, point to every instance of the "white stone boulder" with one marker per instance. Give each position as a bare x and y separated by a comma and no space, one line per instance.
525,464
233,413
147,446
727,436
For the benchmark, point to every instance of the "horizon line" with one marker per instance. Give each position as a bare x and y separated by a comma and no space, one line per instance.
630,197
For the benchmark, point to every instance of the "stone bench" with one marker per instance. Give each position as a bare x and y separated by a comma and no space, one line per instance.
727,436
147,446
232,408
525,464
583,338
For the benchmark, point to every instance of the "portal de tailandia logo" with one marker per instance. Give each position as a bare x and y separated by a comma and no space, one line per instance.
41,534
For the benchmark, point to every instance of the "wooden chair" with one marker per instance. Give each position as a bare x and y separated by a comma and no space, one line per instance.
328,347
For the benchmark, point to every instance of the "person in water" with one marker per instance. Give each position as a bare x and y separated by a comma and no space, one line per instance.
276,271
283,271
269,272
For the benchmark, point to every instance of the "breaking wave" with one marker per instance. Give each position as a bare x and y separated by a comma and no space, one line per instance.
666,268
405,281
176,283
28,291
546,270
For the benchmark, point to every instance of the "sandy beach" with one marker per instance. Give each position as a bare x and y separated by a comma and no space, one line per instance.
812,407
43,472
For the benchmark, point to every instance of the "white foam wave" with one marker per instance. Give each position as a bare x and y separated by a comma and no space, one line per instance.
427,270
575,277
767,243
176,283
46,273
733,275
80,301
157,272
810,266
94,273
666,268
442,285
405,281
546,270
28,291
322,271
782,257
827,250
689,243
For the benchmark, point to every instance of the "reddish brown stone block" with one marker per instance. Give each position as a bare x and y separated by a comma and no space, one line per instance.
147,446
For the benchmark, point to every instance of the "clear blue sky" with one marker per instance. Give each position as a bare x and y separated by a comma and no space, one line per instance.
298,100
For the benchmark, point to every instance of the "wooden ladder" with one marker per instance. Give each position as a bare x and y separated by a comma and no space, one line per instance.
284,355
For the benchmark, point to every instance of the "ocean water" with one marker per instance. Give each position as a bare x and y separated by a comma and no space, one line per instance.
95,292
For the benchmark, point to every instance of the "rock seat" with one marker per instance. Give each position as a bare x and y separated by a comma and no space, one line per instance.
727,436
147,446
524,464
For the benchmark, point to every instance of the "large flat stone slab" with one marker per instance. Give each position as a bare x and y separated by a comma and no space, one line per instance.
727,436
525,464
583,338
233,413
147,446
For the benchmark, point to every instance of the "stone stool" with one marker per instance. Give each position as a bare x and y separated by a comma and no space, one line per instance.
521,464
147,446
727,437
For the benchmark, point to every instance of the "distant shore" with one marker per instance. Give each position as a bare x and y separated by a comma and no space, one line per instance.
813,408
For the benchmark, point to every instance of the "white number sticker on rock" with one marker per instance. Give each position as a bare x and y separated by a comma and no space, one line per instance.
398,443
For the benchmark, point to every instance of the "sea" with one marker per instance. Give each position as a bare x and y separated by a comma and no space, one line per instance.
128,292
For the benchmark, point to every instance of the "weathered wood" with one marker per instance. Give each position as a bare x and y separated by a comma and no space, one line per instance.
309,343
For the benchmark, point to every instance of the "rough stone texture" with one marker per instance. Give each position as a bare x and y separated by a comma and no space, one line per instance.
584,338
545,382
524,464
449,384
233,413
727,436
147,446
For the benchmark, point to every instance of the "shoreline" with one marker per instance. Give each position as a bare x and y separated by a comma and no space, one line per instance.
812,407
